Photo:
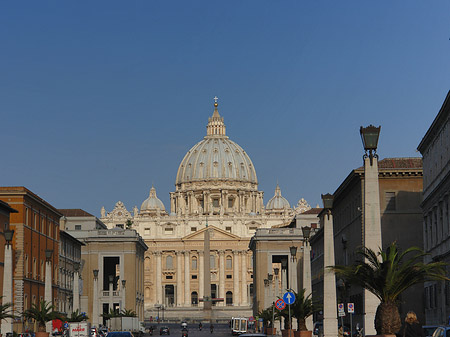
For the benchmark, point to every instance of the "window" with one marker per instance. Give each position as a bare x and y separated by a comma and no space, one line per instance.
229,298
193,229
230,202
78,227
229,262
26,217
169,277
168,231
169,262
215,202
147,231
212,262
390,201
228,229
229,276
194,263
194,277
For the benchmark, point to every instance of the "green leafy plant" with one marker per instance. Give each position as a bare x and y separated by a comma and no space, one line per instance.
302,308
6,311
387,274
128,313
111,314
42,313
266,315
77,316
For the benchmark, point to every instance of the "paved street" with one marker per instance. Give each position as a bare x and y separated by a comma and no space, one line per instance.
220,330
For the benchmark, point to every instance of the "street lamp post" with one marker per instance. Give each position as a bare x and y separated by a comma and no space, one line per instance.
307,271
123,293
48,283
330,323
111,290
95,303
7,323
76,290
372,220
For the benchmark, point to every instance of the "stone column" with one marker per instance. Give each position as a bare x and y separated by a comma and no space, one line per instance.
201,277
48,284
221,276
244,295
187,283
7,324
180,274
307,278
76,290
95,302
236,293
158,277
330,323
372,234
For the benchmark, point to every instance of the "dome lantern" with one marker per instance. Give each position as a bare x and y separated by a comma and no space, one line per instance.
216,126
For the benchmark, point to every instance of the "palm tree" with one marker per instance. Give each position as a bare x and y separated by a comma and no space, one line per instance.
301,309
42,313
77,316
387,274
128,313
6,311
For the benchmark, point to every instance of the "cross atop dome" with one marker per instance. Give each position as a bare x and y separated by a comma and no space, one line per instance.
216,126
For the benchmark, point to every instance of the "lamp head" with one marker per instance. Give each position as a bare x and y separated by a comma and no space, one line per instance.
123,283
306,232
327,201
293,250
9,236
95,271
369,137
76,266
48,254
276,271
270,277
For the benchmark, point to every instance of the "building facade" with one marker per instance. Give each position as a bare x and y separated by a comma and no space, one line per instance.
400,189
434,148
36,229
215,185
5,214
111,268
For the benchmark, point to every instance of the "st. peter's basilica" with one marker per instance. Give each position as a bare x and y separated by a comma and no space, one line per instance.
216,186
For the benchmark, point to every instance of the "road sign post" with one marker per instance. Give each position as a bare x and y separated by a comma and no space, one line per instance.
351,311
289,298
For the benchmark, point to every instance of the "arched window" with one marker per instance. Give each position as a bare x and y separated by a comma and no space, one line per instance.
212,262
194,263
194,298
169,262
229,262
229,298
147,263
147,292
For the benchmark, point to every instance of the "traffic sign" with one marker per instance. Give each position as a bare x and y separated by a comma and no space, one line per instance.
289,297
280,304
350,308
341,307
341,313
251,319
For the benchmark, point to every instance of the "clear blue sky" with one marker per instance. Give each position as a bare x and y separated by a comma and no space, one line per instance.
100,99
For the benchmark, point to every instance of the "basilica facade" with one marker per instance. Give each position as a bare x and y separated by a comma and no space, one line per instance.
216,187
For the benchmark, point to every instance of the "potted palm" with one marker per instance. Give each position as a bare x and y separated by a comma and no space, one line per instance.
42,313
386,274
77,316
6,312
302,308
267,316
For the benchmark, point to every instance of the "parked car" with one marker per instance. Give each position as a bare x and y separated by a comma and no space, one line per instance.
164,330
442,331
429,329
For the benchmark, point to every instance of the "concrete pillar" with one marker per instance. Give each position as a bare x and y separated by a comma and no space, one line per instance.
48,289
124,297
236,293
207,304
330,323
221,276
76,291
307,285
7,324
95,302
158,277
179,276
187,281
244,295
201,277
372,234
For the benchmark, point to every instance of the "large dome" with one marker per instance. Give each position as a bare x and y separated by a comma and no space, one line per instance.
216,157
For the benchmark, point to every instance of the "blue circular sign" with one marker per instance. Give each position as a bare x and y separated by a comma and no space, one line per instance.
289,297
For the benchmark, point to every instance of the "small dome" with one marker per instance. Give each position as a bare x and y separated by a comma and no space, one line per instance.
278,202
152,202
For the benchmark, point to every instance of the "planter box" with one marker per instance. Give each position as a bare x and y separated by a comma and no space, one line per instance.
305,333
287,333
271,331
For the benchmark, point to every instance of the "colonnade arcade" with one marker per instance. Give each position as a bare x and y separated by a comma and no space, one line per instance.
177,279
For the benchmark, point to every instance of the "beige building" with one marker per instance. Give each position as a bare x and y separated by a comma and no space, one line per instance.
216,184
115,258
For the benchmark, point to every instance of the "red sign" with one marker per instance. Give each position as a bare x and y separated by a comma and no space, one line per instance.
251,319
280,304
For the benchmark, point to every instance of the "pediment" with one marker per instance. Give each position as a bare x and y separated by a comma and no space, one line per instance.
217,234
